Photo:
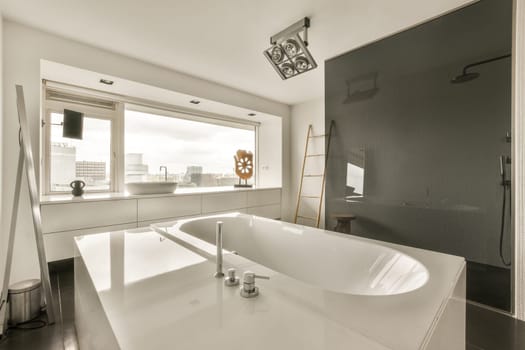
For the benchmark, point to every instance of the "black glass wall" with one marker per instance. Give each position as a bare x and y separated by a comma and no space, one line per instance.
421,124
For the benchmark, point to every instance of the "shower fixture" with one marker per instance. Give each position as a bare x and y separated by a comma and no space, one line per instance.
506,184
288,54
468,76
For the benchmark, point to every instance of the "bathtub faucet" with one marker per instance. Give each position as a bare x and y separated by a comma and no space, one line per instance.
218,244
248,289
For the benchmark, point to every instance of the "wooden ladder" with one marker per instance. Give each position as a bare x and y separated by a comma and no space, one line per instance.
322,176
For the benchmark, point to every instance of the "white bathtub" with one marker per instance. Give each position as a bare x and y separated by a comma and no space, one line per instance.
154,288
331,261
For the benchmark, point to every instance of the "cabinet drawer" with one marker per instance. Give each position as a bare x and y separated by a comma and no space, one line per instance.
168,207
267,211
263,197
61,245
75,216
212,203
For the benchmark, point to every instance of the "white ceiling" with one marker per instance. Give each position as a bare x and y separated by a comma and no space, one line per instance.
223,40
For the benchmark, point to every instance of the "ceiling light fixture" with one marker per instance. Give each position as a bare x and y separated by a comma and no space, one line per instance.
288,54
195,102
252,114
106,81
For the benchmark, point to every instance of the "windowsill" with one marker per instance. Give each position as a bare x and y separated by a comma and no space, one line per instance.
95,197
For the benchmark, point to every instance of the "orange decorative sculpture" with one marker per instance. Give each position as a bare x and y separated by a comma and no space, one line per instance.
243,167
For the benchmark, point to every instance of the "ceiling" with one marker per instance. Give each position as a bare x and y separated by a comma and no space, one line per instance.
222,41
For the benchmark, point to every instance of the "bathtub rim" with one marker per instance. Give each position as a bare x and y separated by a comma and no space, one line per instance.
420,255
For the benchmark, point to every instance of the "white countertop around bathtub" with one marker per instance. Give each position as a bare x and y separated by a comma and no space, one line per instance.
157,294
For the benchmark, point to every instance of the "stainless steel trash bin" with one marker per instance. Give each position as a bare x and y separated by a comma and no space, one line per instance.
24,300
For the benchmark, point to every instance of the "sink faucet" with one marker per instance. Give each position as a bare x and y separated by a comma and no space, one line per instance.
218,243
165,172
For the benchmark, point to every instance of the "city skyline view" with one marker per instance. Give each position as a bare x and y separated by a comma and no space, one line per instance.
178,143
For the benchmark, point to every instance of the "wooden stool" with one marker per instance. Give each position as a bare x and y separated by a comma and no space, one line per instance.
344,223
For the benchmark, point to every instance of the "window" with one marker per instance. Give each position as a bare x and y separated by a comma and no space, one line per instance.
123,143
196,154
89,159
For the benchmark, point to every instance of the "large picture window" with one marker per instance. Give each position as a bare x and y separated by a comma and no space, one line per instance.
123,142
195,153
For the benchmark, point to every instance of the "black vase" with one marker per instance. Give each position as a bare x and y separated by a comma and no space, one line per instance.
78,187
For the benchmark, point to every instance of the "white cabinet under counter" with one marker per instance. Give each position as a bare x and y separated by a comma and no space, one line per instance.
64,216
168,207
219,202
80,215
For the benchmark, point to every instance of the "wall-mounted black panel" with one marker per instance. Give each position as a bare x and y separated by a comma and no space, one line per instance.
415,156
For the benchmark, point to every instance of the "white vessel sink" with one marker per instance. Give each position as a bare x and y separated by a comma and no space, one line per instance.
163,187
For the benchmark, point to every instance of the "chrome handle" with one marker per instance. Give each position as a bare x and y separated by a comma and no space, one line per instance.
231,279
248,289
262,277
249,277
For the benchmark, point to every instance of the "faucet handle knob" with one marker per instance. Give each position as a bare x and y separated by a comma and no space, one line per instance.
231,279
262,277
248,289
249,277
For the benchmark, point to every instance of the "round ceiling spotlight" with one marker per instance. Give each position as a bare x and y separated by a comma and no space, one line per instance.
291,47
301,64
277,54
287,69
252,114
288,51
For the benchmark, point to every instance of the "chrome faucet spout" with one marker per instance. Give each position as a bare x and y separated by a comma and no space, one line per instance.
218,243
165,172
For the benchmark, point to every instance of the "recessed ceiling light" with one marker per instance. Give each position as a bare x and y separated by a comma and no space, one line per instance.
106,81
195,102
252,114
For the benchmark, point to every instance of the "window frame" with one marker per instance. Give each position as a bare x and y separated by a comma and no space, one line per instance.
50,107
116,116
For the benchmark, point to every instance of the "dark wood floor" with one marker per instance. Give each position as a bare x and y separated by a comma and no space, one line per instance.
489,330
62,334
486,330
489,285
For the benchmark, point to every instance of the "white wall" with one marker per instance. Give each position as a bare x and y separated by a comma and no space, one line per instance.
2,245
23,48
3,238
269,149
302,115
518,155
286,202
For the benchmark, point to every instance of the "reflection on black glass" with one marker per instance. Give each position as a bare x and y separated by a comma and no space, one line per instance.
362,87
355,174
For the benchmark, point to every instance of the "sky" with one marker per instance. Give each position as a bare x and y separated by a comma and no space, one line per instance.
177,143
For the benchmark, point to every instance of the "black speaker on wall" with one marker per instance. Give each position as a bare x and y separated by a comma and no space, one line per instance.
73,124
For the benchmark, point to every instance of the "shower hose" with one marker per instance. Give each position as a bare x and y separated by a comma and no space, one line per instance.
502,230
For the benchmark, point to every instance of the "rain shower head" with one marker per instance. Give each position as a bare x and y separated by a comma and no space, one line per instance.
464,77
